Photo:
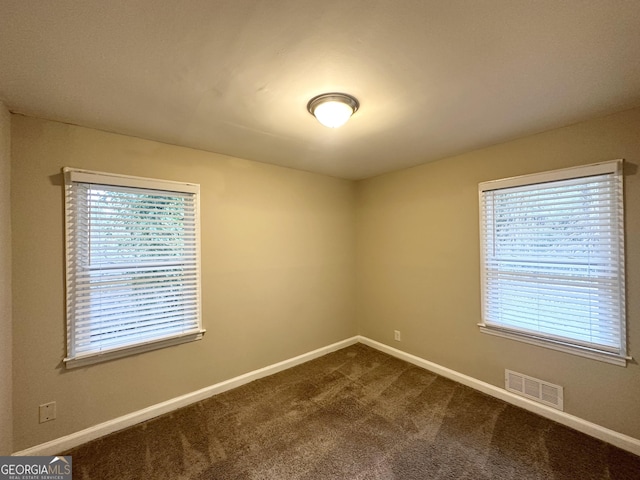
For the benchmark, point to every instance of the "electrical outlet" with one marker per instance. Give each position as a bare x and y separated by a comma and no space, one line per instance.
396,335
47,412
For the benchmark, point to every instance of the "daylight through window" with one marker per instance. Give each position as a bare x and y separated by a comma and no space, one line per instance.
552,248
133,267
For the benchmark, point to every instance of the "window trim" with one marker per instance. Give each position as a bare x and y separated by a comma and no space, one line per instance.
90,359
74,175
614,167
556,345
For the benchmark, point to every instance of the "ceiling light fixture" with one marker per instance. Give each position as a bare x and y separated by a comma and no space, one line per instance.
333,109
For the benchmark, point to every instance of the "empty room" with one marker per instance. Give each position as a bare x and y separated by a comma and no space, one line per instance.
320,239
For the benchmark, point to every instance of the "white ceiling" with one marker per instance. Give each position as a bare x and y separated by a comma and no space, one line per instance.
434,77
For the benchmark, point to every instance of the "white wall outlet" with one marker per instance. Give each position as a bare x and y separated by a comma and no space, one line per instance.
396,335
47,412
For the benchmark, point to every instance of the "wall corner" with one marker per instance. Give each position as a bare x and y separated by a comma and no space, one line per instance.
6,338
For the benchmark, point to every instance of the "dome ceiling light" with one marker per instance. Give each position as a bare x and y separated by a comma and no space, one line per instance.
333,109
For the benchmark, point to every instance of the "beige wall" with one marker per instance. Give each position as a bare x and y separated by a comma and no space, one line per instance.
6,418
277,261
287,258
418,266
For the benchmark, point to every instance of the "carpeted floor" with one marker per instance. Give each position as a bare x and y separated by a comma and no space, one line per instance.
353,414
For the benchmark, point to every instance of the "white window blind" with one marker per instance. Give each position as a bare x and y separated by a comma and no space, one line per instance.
133,267
552,249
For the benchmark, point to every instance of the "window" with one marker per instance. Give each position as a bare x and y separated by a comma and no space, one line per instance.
133,265
552,254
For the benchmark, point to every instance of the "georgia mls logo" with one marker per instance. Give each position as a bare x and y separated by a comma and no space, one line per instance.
35,468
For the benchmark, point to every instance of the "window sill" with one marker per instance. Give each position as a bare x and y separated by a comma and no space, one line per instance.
562,347
90,359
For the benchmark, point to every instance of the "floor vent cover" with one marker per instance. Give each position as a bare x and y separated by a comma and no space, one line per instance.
534,389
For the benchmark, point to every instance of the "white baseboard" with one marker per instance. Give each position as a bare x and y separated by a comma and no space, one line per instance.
620,440
78,438
67,442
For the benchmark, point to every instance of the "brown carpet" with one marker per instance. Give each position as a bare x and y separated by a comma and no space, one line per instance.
353,414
